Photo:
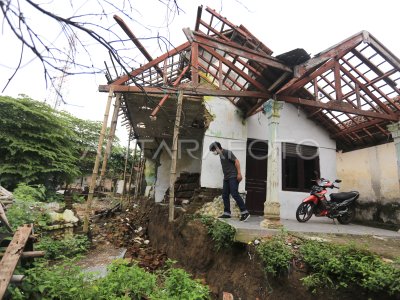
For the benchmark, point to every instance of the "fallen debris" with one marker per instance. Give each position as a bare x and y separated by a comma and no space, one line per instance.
216,208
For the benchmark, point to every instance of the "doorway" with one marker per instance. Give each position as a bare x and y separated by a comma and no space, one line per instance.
256,175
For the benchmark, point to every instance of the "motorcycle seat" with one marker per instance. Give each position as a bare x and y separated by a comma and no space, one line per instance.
339,197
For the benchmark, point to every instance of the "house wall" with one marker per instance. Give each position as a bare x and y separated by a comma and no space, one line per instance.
373,172
295,127
230,130
188,162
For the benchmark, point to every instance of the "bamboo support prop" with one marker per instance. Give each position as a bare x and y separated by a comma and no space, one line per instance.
126,161
111,136
131,174
172,176
96,164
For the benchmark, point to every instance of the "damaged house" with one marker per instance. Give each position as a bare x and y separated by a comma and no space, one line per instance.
287,118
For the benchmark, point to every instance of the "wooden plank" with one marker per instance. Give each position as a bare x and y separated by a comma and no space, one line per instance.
153,63
187,90
172,176
236,49
195,63
12,255
333,105
338,86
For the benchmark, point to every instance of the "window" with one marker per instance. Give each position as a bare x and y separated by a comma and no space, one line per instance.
300,164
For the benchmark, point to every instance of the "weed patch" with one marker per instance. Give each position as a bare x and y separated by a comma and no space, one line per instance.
67,247
221,233
123,281
275,254
343,266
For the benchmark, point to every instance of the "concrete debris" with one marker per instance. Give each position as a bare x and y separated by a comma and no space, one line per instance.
216,208
130,234
66,217
318,239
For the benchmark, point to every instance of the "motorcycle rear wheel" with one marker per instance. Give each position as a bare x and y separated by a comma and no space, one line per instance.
304,211
348,217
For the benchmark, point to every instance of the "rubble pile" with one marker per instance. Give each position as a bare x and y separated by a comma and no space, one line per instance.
128,229
185,187
216,208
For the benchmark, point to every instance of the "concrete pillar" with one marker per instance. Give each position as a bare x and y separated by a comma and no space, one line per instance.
272,206
395,131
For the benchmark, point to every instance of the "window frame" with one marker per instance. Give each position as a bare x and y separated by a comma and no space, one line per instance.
300,168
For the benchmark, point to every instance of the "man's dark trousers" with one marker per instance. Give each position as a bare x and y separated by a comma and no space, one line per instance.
231,186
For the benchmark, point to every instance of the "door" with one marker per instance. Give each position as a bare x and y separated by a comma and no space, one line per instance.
256,175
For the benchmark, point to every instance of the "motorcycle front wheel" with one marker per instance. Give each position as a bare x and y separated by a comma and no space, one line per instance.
304,211
348,217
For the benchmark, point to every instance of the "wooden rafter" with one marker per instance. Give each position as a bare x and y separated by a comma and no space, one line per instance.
335,106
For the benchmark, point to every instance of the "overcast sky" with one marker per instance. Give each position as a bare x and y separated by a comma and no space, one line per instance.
281,25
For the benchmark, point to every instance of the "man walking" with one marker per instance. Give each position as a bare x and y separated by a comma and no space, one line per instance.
232,177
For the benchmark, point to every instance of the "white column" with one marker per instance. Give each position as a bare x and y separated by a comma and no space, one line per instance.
272,206
395,131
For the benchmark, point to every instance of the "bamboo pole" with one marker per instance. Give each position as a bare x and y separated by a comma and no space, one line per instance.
141,172
131,174
111,136
137,175
96,164
172,176
126,161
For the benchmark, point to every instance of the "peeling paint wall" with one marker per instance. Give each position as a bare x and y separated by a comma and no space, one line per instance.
188,162
295,127
228,128
372,172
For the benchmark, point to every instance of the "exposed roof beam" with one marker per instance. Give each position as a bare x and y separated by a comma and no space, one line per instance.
234,48
337,106
187,90
295,84
138,44
255,108
234,68
154,62
357,127
337,50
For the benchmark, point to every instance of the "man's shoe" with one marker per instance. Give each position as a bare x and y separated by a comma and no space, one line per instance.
244,217
224,217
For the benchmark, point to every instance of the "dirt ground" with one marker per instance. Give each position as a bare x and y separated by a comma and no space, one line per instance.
144,230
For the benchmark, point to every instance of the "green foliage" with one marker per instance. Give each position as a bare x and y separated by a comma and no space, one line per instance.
123,281
178,285
343,265
275,254
43,145
33,193
26,212
64,281
36,144
67,247
222,233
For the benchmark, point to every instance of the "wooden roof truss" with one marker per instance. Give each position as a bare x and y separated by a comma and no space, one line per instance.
351,88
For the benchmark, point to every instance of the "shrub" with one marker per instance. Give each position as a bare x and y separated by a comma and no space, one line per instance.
178,285
344,265
64,281
31,193
26,212
275,254
123,281
67,247
222,233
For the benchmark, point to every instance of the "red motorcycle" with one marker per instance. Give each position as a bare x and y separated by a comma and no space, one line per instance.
340,206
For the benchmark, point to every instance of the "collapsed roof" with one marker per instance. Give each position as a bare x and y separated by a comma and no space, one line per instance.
352,88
